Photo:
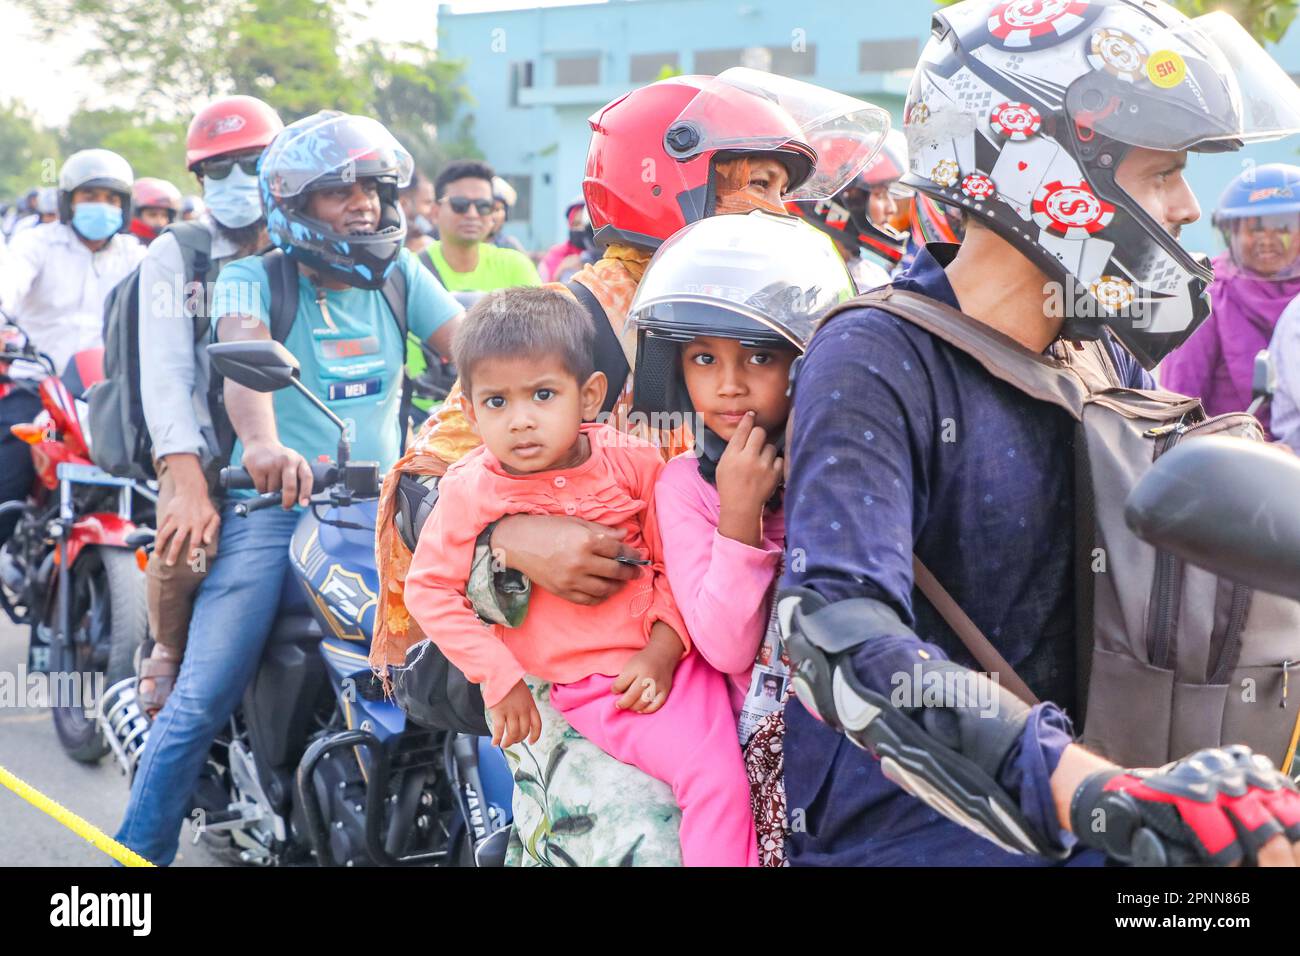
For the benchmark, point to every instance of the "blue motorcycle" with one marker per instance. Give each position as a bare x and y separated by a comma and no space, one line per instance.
317,764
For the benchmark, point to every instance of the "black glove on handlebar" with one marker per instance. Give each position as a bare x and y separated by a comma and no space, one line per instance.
1216,807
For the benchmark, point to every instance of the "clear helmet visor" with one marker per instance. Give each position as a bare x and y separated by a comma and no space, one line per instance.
1204,83
747,110
760,276
340,148
1264,247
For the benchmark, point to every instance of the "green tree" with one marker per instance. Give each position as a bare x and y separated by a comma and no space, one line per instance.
1265,20
287,53
176,54
29,155
417,96
153,148
161,49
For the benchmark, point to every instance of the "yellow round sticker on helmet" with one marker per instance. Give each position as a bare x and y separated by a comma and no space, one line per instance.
1166,69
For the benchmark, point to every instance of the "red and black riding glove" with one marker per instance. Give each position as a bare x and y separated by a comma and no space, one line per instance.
1214,808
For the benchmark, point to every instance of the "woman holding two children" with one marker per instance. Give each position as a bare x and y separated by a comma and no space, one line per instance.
595,811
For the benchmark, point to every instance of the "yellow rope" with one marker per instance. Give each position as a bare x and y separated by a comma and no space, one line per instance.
87,831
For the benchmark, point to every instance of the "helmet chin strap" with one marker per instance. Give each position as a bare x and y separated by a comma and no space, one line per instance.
709,446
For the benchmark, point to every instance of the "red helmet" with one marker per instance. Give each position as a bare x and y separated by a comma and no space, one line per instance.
888,165
846,217
155,193
650,164
230,125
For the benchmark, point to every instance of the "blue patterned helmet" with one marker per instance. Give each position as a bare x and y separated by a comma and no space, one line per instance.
1259,217
324,151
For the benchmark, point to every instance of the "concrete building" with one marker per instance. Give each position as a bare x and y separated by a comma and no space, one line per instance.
536,74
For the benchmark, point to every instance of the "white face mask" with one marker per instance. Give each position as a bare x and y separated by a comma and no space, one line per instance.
235,201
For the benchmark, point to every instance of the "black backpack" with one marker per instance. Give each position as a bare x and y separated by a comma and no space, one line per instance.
282,276
121,443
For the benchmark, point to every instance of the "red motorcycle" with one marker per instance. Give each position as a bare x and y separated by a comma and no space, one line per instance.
69,570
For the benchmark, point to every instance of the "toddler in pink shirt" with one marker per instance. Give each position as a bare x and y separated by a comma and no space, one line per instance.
623,672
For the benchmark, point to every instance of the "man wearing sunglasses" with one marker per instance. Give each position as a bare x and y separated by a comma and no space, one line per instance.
225,141
462,257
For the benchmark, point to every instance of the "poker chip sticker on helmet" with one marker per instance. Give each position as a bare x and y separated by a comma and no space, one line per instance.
1015,121
1113,292
977,186
1071,209
1119,54
1029,24
945,172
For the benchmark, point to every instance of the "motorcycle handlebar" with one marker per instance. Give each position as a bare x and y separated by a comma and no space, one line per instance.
238,479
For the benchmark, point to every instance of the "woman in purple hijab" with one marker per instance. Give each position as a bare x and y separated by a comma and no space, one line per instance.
1259,275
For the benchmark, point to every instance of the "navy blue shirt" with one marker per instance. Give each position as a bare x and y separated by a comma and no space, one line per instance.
901,444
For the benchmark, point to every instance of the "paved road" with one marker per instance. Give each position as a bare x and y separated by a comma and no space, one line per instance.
30,749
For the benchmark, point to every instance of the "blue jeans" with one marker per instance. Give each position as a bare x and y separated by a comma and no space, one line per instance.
234,611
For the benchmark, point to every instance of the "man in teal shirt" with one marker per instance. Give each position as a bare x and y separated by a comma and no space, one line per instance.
462,257
329,187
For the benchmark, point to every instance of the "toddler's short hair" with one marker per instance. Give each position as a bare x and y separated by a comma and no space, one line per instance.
525,322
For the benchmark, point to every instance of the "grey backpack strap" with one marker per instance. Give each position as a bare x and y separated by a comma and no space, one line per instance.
195,244
1001,356
426,259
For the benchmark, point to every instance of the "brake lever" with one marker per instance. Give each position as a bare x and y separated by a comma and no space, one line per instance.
269,500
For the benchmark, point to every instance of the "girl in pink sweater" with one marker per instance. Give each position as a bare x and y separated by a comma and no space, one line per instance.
623,672
724,309
723,535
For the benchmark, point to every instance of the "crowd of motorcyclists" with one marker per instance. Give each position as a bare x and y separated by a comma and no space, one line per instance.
668,513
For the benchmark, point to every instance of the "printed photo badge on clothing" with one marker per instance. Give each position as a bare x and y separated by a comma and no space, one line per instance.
1118,54
1034,24
1071,210
1015,121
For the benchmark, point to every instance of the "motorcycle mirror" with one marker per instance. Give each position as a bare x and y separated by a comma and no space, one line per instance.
263,366
1227,505
267,366
1264,379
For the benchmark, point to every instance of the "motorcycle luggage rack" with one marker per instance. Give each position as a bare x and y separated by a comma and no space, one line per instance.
376,778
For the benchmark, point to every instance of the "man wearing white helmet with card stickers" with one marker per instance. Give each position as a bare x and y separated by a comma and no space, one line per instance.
54,278
1060,128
